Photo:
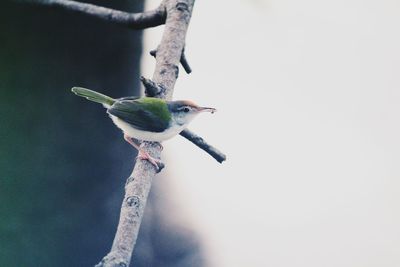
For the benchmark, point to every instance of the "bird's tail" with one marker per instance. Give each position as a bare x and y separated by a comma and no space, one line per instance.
93,96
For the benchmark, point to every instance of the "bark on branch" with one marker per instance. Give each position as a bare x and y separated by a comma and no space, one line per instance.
184,62
135,21
138,185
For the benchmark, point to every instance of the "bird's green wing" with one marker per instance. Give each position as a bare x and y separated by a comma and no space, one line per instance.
146,114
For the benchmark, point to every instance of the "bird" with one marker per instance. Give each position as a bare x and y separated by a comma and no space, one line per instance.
146,118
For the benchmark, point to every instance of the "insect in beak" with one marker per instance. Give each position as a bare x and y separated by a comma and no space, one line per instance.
204,109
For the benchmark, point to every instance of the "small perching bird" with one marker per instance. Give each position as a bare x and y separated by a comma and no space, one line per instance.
146,118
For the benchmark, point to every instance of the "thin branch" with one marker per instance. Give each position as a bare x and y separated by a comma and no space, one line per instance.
138,185
200,142
135,21
185,63
183,60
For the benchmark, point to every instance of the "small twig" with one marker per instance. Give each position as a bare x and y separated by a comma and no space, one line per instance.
151,88
183,60
185,63
135,21
153,53
200,142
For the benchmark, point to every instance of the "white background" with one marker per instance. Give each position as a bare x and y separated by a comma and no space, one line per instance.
308,104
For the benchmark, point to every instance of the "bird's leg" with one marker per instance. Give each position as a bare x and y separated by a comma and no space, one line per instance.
142,153
130,141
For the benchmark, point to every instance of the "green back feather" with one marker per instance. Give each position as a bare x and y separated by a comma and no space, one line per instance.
156,106
147,113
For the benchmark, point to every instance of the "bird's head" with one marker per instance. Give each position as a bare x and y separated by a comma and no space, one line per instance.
183,111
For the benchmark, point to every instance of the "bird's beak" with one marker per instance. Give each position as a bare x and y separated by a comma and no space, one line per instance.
203,109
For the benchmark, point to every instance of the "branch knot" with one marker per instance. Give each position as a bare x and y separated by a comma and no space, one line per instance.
181,6
152,89
133,201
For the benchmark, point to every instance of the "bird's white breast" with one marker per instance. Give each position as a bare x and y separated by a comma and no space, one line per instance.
147,136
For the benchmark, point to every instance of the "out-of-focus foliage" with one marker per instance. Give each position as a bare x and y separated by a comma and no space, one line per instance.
61,161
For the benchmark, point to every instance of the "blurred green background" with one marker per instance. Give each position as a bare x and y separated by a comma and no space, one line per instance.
63,164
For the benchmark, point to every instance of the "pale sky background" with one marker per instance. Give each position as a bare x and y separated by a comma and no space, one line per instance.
308,99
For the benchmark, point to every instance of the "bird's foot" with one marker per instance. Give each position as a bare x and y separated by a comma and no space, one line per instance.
146,156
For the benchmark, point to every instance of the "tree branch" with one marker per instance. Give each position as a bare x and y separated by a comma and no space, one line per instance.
135,21
185,63
183,60
139,183
200,142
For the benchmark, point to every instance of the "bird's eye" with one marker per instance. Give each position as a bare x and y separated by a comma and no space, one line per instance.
186,109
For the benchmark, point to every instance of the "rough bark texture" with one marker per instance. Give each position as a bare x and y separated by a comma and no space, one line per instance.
184,62
139,183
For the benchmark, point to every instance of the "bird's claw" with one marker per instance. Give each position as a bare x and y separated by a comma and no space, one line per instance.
143,155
